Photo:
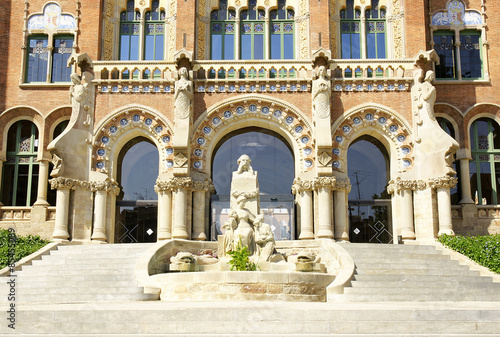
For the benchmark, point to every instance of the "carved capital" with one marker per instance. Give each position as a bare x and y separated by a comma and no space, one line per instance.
300,185
399,184
205,185
325,182
446,182
108,185
61,183
343,185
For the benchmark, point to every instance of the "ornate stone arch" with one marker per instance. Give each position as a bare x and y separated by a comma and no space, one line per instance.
380,122
124,124
12,115
481,110
252,110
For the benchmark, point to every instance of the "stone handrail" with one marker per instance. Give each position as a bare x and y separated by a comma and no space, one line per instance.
27,260
347,267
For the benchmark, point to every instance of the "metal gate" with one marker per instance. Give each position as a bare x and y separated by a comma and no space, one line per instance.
370,221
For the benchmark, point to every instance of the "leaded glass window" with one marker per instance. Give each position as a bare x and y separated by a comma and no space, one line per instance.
20,173
350,31
63,47
222,28
444,45
38,58
282,32
252,30
485,164
129,33
470,54
375,31
154,33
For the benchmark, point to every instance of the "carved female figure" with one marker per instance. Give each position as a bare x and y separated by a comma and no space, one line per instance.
183,95
321,94
244,231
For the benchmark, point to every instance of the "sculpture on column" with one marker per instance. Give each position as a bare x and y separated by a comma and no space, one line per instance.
321,89
434,148
183,95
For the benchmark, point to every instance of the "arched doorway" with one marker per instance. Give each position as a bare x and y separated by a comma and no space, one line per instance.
273,159
369,202
137,203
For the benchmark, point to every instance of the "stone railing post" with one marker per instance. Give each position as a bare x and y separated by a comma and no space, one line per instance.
304,189
200,189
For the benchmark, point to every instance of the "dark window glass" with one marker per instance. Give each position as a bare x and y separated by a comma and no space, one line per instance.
445,48
38,57
63,47
470,55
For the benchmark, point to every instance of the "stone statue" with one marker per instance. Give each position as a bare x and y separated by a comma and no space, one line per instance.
321,90
264,238
228,238
244,231
245,183
69,149
434,148
183,95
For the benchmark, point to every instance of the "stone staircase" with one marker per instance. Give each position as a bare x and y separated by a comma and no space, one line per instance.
415,273
89,273
91,290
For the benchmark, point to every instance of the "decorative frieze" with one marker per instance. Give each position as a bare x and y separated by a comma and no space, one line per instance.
399,184
108,185
61,183
173,184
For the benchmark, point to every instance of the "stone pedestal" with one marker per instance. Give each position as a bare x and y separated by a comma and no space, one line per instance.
246,184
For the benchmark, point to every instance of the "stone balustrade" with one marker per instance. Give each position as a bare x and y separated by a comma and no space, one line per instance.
12,213
253,75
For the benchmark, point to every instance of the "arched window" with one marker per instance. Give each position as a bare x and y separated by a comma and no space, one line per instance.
222,27
154,33
252,30
20,173
455,192
369,202
137,205
282,31
485,164
272,158
456,35
350,31
375,31
129,33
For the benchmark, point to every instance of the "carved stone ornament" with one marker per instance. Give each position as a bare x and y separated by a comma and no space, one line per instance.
247,194
325,182
108,185
343,185
321,91
446,182
183,95
180,160
61,183
324,159
300,185
205,185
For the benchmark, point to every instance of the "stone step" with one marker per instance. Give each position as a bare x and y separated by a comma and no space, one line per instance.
84,282
451,265
436,271
81,290
402,297
479,284
84,256
386,247
125,276
421,278
454,293
75,271
56,265
401,257
72,298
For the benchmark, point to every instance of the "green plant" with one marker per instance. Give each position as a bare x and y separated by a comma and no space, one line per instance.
13,248
484,250
240,259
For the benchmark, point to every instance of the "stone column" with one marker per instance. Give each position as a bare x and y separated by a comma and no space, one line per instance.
340,205
304,189
164,190
403,189
200,188
465,182
43,177
444,211
63,186
443,185
99,232
180,188
406,216
1,175
101,189
324,187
